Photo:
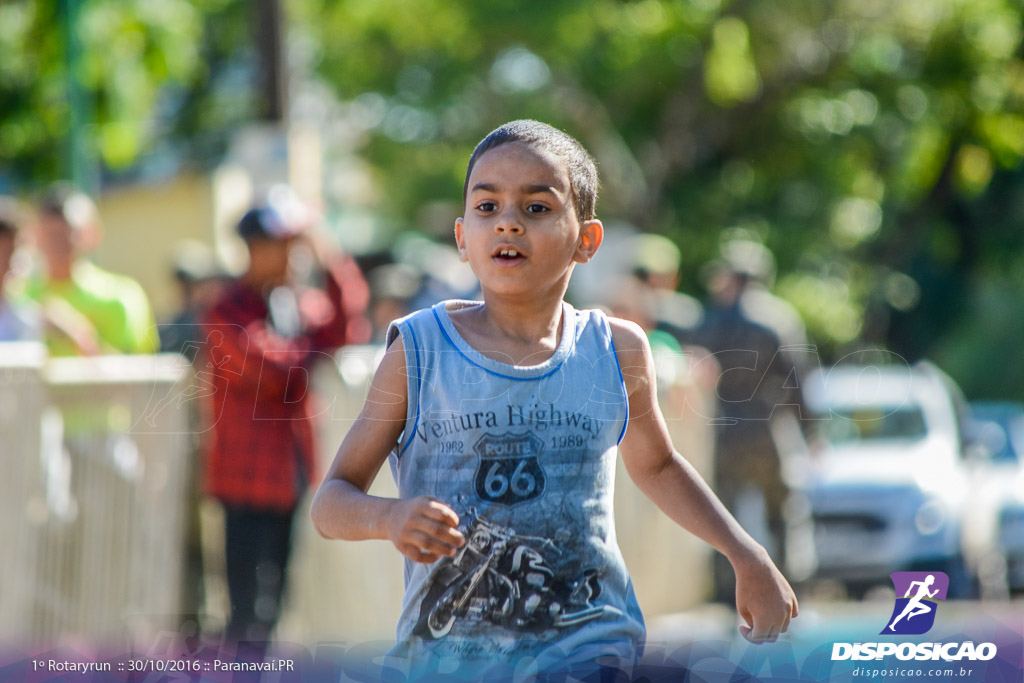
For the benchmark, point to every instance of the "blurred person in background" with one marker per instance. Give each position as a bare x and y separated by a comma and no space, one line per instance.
758,387
265,332
199,282
392,289
633,299
441,274
19,321
754,264
90,311
656,262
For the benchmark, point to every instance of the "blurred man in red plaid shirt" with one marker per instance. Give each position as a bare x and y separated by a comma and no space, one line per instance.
263,334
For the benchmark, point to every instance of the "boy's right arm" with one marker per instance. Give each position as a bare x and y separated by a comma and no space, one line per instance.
423,528
764,599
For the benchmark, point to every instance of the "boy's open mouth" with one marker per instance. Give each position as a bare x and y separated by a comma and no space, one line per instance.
508,255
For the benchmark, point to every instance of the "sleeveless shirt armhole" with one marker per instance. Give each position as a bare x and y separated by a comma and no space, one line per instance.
413,381
622,379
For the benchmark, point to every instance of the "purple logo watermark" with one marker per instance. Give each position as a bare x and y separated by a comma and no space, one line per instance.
917,596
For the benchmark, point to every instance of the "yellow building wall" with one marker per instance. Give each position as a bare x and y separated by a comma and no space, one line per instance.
142,225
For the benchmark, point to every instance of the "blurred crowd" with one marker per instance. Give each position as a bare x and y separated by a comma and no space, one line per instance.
76,307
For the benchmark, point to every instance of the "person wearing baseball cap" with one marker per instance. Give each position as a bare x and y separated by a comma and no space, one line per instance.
263,334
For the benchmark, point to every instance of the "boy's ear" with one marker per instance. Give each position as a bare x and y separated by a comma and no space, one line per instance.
460,241
591,237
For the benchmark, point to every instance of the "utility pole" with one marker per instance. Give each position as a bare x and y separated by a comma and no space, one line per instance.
269,36
79,163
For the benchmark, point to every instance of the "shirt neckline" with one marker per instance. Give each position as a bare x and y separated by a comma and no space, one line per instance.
565,344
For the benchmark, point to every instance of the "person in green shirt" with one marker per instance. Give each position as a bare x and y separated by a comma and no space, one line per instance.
89,310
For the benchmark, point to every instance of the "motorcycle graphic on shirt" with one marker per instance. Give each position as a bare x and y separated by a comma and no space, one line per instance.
503,578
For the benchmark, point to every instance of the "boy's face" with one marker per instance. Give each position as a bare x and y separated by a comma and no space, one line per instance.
520,232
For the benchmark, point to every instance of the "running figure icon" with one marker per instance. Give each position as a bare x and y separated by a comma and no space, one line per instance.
915,606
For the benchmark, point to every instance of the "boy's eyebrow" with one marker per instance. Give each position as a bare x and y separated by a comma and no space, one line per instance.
486,187
534,189
526,189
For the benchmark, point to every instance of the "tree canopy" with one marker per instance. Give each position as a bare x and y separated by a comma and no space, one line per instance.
153,72
874,146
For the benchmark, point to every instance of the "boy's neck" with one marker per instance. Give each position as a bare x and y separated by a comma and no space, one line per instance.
513,331
524,320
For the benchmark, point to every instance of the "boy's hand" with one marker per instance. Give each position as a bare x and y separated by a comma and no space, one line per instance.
764,599
424,529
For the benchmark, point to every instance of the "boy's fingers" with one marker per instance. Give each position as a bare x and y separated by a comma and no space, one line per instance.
433,544
445,522
435,509
439,530
442,529
745,614
758,634
409,550
417,555
454,536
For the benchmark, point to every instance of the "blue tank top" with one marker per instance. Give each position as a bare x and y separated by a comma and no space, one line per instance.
525,455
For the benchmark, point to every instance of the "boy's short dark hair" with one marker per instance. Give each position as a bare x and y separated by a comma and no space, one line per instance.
580,165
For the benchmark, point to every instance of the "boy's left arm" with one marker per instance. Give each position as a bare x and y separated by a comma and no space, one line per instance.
764,599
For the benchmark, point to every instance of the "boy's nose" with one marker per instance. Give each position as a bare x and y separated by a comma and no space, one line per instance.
508,223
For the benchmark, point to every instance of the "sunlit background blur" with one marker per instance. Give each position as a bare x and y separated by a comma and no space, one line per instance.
874,148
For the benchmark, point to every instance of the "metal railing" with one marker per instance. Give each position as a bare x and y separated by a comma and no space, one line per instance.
94,507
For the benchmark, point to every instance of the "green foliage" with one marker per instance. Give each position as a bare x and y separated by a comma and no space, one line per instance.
730,75
129,51
859,135
874,146
146,68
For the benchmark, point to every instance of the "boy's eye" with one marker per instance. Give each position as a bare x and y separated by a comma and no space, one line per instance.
537,208
486,207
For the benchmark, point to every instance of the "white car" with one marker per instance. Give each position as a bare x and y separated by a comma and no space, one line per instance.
885,481
997,449
1011,538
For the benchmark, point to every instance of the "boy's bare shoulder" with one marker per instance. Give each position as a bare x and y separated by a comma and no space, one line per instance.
394,356
391,375
629,338
634,352
395,346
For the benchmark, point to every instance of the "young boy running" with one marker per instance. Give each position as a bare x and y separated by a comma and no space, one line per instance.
501,420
